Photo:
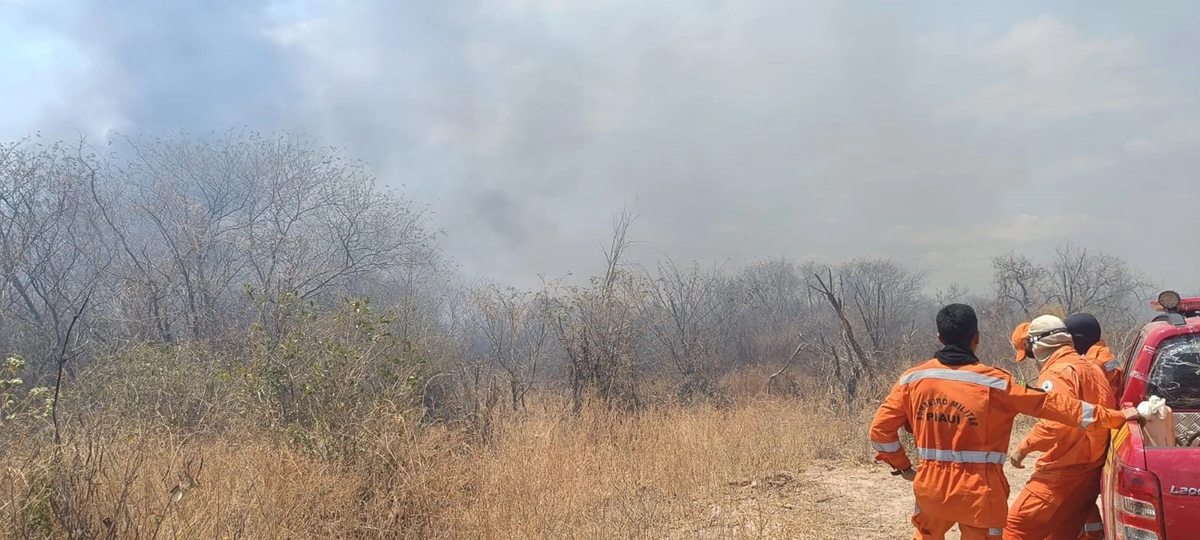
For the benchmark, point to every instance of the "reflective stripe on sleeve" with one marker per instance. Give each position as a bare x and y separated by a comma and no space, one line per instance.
1093,527
886,447
934,454
995,532
956,375
1089,415
1111,365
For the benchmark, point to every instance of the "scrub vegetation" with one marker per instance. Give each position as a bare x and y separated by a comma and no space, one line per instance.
242,336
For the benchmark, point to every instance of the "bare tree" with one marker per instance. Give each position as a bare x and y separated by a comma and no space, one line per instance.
202,222
1076,280
1020,284
517,330
874,309
464,386
52,260
598,327
774,289
1094,281
951,294
886,296
776,299
691,314
830,289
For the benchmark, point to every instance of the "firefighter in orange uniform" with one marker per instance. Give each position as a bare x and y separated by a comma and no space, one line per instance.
1085,333
1059,501
960,413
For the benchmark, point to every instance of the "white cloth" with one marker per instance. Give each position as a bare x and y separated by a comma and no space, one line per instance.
1159,428
1155,407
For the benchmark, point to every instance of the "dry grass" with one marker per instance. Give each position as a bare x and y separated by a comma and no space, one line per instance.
653,474
607,477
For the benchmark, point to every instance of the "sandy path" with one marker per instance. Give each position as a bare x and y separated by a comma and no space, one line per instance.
826,501
881,503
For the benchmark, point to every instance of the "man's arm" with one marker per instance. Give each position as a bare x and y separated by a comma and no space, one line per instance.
1102,356
1065,409
885,430
1046,432
1114,373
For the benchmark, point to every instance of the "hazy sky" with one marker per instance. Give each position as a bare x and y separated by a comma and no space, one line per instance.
939,133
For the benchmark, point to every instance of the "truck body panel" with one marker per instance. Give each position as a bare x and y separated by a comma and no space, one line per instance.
1156,489
1178,471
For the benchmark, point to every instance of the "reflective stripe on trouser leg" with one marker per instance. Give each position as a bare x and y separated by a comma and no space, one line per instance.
968,532
1092,531
979,533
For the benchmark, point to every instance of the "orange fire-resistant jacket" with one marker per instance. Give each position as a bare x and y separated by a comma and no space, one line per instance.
1065,448
961,418
1102,356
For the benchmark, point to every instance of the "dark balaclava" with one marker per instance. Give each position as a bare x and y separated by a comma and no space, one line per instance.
1084,329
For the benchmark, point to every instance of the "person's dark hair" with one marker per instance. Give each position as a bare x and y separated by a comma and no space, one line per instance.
957,324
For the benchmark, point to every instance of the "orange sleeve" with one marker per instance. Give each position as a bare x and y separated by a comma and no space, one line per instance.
1046,432
885,429
1103,357
1061,408
1114,372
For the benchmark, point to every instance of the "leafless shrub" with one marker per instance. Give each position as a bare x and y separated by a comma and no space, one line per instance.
599,328
517,330
692,315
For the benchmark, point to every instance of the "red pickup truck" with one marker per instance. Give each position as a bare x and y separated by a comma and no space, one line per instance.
1152,491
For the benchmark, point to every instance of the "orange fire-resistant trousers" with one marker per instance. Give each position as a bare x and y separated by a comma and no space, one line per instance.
932,528
1058,506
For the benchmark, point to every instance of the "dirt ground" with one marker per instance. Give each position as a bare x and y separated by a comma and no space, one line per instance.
826,501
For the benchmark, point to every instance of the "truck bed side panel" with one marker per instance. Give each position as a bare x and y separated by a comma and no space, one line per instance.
1179,475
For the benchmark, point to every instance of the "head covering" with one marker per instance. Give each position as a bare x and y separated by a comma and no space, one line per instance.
1084,329
1048,333
1020,340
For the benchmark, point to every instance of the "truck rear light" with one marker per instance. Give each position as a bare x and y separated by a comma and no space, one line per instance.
1138,504
1127,532
1136,508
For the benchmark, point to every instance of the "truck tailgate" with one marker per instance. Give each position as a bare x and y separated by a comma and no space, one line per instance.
1178,472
